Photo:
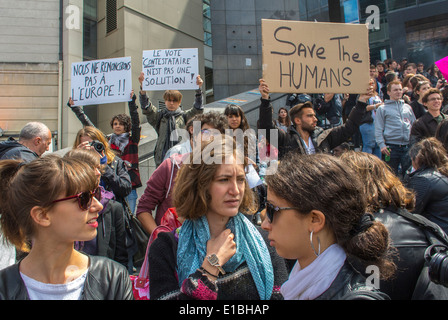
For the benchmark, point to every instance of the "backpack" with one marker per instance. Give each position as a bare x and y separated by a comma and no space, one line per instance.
140,283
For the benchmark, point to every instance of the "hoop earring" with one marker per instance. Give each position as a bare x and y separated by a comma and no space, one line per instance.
312,245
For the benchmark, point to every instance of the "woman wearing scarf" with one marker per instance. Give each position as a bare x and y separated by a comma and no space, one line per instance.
217,253
316,216
166,121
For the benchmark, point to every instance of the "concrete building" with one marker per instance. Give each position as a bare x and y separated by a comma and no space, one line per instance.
236,34
41,39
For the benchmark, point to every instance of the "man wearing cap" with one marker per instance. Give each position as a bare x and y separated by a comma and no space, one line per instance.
304,136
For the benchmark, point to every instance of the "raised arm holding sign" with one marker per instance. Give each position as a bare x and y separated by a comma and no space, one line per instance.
166,121
304,136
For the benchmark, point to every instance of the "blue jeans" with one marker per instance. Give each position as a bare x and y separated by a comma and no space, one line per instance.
399,155
369,144
132,200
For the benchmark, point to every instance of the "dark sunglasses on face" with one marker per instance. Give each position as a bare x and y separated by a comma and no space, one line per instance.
84,198
271,210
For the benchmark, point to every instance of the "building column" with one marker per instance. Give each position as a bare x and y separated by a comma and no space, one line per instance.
72,51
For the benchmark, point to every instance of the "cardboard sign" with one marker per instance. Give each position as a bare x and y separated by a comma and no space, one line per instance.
170,69
101,81
315,57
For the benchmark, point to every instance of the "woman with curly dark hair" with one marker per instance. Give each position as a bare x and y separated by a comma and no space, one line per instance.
317,215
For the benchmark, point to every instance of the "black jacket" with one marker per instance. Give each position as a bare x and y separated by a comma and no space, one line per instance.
12,149
411,279
424,127
111,236
323,140
106,280
431,189
351,285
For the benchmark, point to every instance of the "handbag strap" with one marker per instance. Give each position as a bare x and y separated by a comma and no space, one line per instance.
144,270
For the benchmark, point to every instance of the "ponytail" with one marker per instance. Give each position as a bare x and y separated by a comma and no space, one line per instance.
369,242
10,226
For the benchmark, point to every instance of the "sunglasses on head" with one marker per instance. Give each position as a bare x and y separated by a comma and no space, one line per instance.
271,210
84,198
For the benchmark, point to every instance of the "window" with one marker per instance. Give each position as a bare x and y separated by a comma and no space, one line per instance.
111,15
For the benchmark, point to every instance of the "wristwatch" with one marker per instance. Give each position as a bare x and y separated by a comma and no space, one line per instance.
214,261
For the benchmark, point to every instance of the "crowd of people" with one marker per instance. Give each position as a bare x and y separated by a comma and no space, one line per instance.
358,182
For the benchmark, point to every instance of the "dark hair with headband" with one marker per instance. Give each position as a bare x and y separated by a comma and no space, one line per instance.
323,182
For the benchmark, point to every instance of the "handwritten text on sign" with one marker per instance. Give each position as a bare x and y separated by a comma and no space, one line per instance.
315,57
170,69
101,81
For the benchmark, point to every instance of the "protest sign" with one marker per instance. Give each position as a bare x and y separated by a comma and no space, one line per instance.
170,69
315,57
101,81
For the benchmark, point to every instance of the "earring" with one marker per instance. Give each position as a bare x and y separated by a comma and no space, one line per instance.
312,245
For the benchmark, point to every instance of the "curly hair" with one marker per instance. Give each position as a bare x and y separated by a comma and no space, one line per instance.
430,153
124,120
323,182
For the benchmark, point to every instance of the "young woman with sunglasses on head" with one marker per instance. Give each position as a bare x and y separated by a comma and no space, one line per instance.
47,205
218,253
316,214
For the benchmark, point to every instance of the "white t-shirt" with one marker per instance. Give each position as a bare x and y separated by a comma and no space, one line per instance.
310,147
46,291
7,253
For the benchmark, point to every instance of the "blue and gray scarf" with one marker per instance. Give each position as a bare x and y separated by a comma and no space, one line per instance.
250,247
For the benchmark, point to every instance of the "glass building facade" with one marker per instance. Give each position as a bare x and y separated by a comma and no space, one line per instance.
415,29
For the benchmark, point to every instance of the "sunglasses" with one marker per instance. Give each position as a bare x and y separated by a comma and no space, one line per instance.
271,210
84,198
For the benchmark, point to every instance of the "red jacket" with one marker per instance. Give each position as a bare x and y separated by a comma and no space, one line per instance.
159,187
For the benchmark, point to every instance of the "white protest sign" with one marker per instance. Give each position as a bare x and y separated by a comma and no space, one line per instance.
101,81
170,69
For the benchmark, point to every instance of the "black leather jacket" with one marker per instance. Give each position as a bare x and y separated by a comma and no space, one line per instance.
431,195
106,280
411,281
351,285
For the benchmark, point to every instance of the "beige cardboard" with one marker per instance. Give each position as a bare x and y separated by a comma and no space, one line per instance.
315,57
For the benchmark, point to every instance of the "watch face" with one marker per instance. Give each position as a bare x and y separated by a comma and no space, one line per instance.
213,259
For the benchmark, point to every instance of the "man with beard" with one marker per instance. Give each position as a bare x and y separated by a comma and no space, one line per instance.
304,136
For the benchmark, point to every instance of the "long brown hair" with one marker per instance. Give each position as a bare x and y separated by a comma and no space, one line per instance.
191,190
95,134
381,186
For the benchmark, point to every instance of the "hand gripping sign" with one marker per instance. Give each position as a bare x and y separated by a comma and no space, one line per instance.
170,69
